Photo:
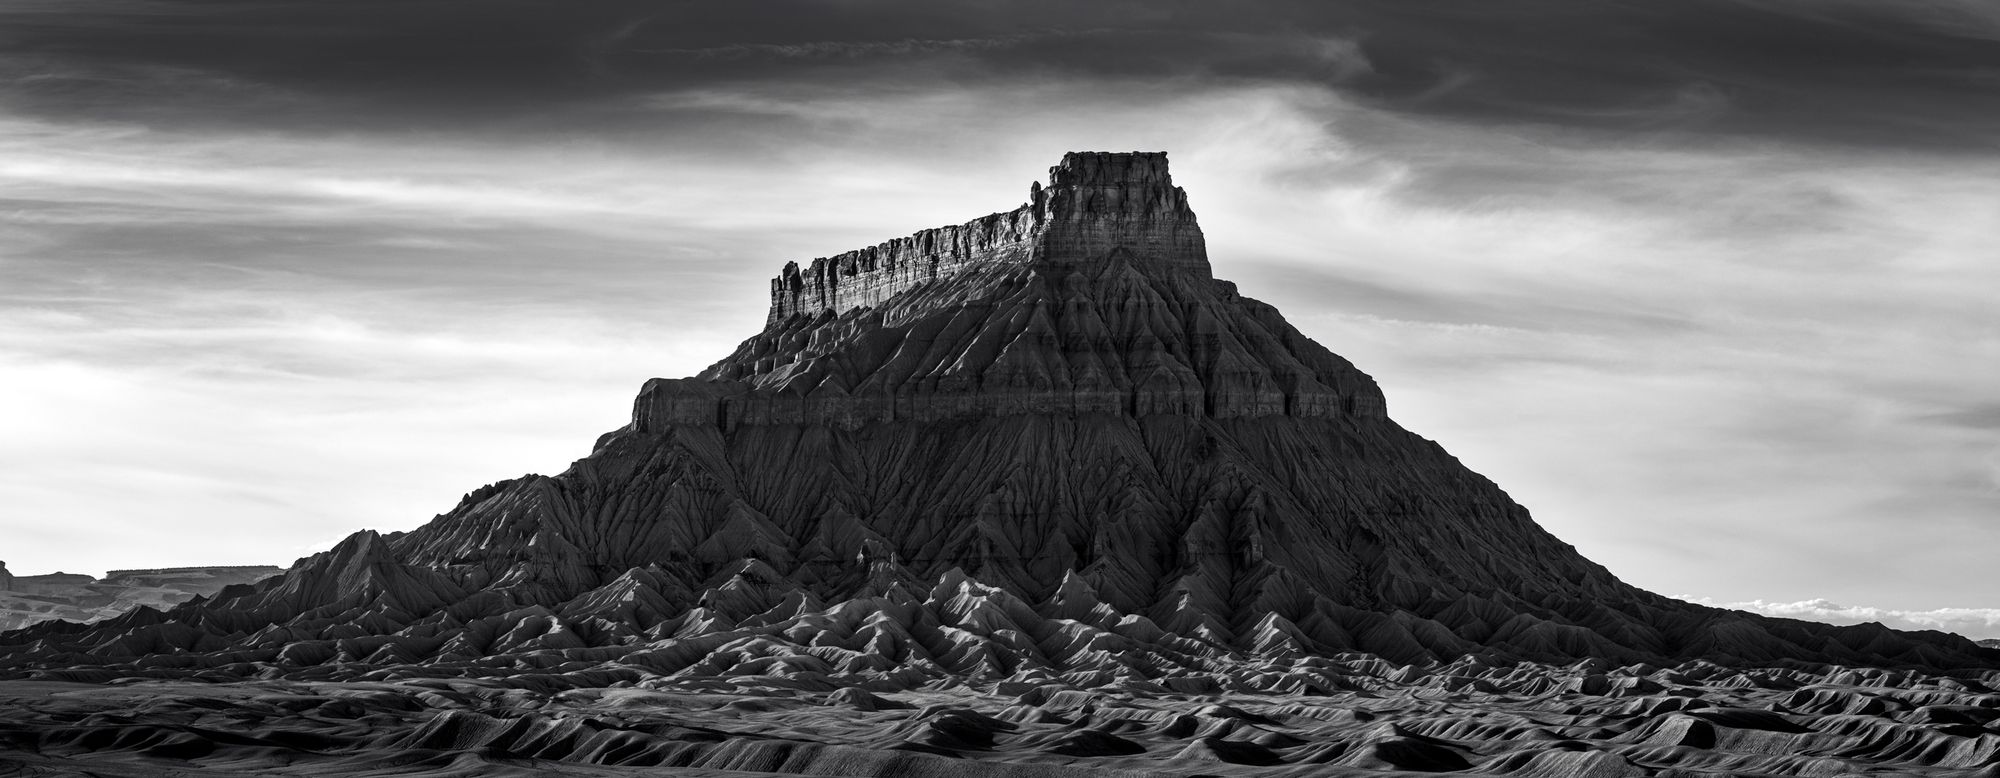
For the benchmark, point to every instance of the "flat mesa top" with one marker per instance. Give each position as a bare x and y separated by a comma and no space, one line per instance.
1098,168
1095,202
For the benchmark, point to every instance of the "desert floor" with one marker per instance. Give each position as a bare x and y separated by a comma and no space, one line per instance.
1521,721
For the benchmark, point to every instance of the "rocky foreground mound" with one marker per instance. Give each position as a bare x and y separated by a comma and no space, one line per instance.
1038,489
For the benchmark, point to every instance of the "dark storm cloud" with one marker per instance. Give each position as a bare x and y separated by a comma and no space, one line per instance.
1899,72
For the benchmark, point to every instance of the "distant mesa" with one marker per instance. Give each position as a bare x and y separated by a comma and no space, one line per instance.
1042,445
30,599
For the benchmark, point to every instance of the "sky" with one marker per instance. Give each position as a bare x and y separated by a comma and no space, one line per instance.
1707,285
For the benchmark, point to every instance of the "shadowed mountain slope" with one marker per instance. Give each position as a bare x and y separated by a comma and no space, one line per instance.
1045,443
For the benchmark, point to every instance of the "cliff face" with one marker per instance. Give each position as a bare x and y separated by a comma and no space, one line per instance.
1046,441
1094,297
1094,202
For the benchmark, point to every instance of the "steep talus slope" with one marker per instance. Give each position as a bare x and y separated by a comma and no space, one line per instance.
1044,444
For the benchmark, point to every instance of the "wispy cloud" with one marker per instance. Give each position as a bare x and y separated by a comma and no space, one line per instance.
1744,334
849,48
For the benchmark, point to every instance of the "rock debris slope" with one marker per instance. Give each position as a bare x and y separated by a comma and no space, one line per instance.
1045,445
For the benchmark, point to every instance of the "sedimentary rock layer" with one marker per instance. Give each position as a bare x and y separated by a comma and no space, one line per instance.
1093,204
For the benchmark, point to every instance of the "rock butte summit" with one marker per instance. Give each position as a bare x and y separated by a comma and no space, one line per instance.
1043,444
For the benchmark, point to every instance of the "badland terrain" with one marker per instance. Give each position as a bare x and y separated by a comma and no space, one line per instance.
1032,495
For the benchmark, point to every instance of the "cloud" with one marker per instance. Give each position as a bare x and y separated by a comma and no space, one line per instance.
225,428
1974,623
850,49
1700,365
1878,73
1975,417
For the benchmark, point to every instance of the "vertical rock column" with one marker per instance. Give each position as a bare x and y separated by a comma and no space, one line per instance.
1099,201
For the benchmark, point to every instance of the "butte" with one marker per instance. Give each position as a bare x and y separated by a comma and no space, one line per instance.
1044,444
